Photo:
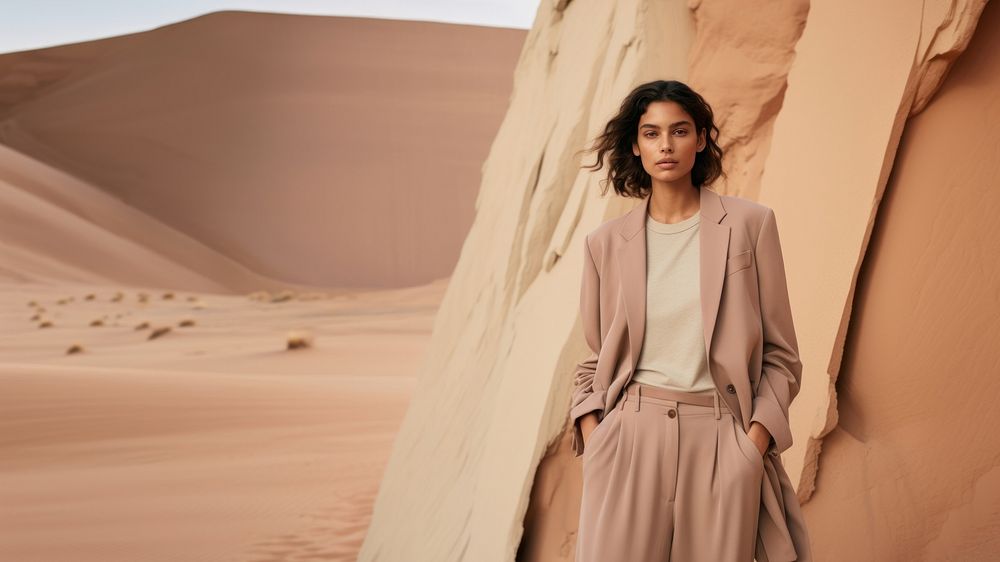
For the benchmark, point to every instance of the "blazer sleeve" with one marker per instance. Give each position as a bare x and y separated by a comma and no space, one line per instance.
781,371
585,398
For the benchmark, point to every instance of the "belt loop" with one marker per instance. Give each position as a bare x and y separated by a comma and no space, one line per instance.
715,402
638,396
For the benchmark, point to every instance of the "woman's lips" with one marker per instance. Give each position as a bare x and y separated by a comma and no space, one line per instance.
667,165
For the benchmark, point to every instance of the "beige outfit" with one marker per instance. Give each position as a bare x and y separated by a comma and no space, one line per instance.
689,459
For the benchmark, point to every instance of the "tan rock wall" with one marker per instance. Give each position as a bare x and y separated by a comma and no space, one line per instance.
813,100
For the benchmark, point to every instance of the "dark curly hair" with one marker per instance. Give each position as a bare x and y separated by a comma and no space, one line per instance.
625,169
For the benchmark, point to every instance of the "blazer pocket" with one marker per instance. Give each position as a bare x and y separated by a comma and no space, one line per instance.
738,262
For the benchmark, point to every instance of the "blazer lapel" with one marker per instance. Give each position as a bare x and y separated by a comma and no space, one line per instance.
713,242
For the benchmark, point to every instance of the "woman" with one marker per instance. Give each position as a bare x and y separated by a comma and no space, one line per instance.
681,411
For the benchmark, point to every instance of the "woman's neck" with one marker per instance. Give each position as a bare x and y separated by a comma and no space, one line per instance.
668,204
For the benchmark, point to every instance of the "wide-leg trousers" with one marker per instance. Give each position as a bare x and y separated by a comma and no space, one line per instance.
669,476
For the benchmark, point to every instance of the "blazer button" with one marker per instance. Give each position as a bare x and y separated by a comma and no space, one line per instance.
672,413
731,389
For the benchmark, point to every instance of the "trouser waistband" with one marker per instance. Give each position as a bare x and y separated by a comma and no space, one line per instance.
635,392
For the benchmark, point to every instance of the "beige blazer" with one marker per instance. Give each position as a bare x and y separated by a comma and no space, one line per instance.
749,337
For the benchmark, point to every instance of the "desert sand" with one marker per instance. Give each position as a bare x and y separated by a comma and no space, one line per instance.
210,442
241,179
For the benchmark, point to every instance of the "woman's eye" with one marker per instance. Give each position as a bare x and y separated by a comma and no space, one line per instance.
682,131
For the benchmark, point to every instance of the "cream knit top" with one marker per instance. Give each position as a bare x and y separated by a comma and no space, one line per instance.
673,346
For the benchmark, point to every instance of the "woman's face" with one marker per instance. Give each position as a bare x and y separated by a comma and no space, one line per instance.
666,132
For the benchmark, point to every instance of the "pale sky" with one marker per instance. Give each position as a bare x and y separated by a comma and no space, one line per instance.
32,24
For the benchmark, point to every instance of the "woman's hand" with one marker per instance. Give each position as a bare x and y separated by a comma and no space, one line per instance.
588,423
759,435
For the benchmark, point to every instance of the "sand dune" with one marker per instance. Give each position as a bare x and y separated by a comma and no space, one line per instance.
316,150
55,228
